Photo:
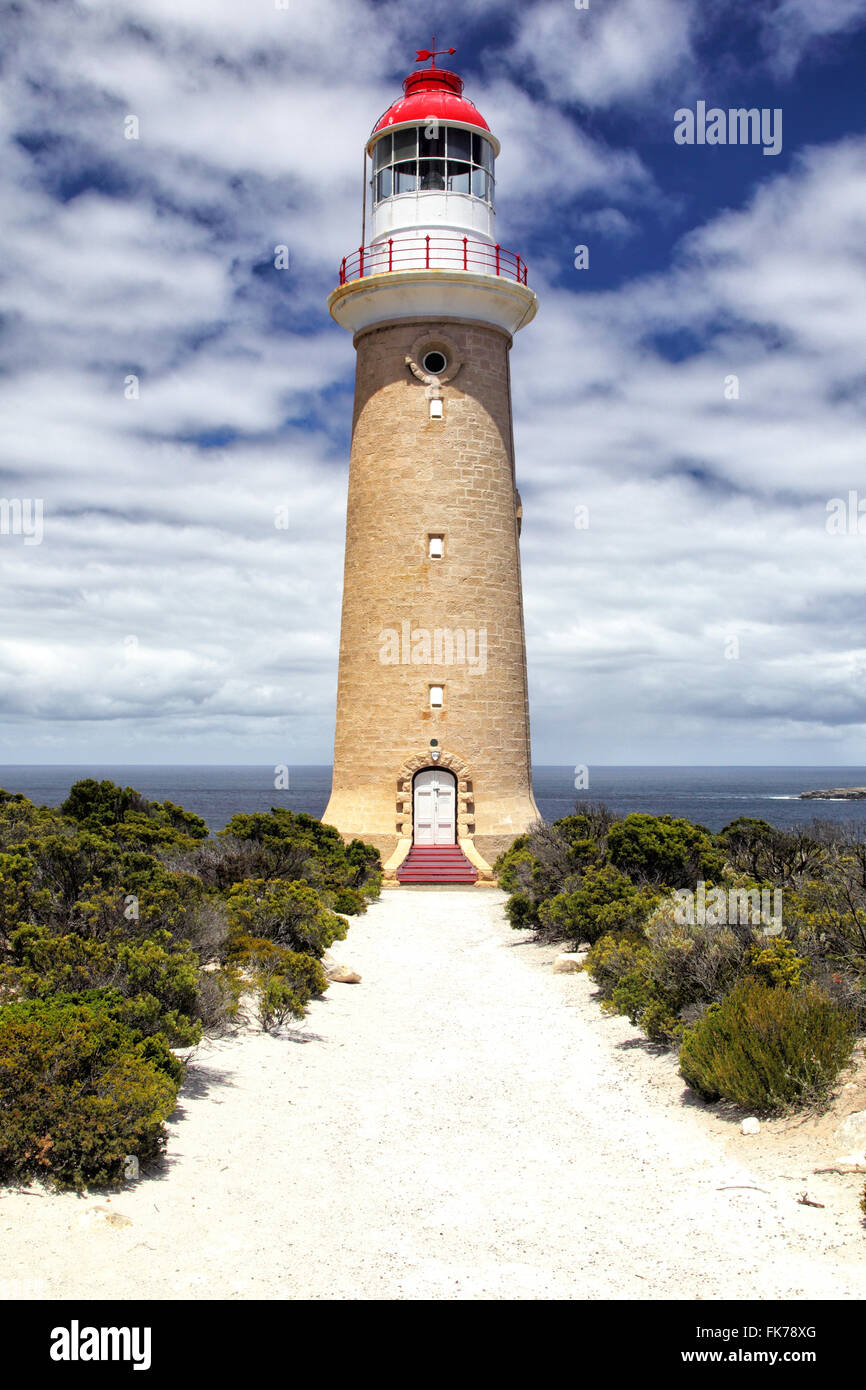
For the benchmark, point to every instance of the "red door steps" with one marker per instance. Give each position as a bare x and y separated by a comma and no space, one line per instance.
436,864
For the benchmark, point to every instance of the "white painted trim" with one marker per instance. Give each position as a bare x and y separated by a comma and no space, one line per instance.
436,294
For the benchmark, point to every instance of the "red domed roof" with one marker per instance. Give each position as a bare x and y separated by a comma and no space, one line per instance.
432,93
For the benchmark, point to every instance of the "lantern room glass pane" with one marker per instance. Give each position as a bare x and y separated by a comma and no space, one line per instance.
482,152
432,145
405,178
382,151
479,183
383,185
459,144
405,143
459,178
432,174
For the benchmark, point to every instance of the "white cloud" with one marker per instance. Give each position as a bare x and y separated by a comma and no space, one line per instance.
791,29
611,224
707,515
607,54
547,161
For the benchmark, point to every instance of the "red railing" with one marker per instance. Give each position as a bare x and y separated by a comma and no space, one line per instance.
432,253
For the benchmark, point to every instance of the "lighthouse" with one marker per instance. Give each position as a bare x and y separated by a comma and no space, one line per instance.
432,751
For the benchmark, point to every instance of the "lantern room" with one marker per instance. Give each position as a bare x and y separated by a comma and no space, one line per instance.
433,158
428,241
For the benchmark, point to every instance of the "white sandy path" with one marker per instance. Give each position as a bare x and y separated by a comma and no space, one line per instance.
460,1125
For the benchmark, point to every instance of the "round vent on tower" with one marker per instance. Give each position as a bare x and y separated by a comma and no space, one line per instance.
434,359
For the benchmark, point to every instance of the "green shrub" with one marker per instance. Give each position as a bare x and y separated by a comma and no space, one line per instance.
363,868
656,976
692,963
296,846
622,966
127,893
285,981
120,911
101,803
777,964
22,901
349,902
767,1048
537,866
637,996
79,1090
773,855
521,912
845,988
520,874
664,851
832,909
659,1021
158,980
277,1002
125,813
605,900
290,914
631,995
613,957
586,833
507,866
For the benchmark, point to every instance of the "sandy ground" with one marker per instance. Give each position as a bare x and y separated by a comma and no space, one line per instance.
464,1124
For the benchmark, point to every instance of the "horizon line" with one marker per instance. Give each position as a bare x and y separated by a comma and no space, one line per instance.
731,766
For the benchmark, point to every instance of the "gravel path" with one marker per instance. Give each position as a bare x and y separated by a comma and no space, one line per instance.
463,1124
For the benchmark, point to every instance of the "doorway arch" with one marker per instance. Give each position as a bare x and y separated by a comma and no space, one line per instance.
465,791
434,807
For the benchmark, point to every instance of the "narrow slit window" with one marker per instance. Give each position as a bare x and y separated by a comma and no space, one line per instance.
437,547
437,696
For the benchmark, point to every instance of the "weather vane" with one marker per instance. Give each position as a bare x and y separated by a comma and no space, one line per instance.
424,53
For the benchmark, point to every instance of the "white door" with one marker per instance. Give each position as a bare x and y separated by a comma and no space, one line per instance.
435,807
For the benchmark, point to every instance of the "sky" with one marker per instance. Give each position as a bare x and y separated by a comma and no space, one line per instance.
688,409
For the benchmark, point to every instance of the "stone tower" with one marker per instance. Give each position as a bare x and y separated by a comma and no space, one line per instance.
432,738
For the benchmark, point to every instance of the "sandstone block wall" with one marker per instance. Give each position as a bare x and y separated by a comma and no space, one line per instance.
411,477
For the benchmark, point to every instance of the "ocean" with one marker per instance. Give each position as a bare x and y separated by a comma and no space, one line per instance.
710,796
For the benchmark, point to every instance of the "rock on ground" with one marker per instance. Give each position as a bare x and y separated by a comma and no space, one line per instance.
338,973
852,1130
569,963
